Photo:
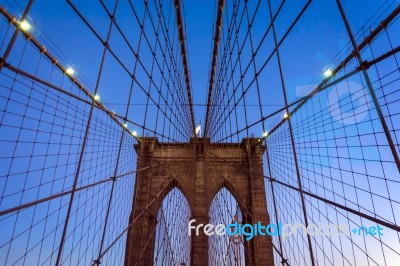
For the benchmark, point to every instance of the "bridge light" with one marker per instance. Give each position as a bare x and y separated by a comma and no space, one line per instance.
265,134
134,133
286,115
70,71
96,97
328,73
125,125
25,26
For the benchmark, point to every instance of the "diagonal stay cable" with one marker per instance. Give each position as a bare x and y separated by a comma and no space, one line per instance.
218,22
181,32
63,69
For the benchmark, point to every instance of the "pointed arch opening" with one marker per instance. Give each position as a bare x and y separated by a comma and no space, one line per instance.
172,241
225,250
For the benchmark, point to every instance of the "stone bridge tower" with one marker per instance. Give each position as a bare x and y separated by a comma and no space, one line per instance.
199,169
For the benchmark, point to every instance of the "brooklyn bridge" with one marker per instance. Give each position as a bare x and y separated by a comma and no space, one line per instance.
226,132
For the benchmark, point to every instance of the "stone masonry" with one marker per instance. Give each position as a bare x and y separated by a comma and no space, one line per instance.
199,169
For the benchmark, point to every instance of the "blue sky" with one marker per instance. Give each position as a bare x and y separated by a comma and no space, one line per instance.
330,149
324,30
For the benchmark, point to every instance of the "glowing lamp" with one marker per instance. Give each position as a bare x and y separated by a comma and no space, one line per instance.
286,115
328,73
70,71
25,26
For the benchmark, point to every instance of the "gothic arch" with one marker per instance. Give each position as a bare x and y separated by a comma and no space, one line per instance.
232,190
199,169
171,243
171,185
225,249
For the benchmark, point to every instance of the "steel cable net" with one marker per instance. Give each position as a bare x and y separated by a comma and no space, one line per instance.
224,209
68,125
332,141
172,243
319,89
